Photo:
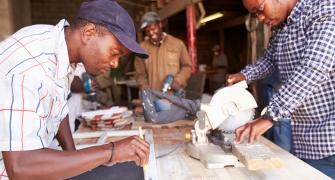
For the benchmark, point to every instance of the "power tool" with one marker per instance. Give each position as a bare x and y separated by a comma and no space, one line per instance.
88,86
167,86
167,83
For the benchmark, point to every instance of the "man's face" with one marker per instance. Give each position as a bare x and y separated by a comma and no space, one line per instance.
154,32
101,53
270,12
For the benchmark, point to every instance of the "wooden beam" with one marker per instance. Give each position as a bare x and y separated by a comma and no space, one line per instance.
224,24
173,7
234,22
132,3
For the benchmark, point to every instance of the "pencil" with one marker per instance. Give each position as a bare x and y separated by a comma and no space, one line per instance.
145,167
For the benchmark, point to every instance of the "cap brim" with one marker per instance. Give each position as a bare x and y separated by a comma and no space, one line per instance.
132,45
145,24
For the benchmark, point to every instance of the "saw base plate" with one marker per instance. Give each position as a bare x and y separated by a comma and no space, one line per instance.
212,156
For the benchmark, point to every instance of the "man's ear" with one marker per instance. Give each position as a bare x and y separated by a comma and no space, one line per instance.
88,32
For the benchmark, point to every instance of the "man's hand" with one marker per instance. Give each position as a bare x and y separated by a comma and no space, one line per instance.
94,85
235,78
254,129
175,86
131,149
143,87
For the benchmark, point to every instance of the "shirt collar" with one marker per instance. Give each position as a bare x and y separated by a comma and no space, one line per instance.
163,38
296,11
161,41
63,60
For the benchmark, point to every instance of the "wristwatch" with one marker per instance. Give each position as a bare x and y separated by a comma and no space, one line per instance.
267,115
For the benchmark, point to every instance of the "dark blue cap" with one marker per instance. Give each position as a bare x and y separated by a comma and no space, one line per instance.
111,15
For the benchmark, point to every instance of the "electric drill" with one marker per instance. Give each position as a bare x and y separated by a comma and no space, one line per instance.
167,83
167,86
88,86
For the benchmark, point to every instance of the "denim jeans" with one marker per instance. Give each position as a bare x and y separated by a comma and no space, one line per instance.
281,134
325,165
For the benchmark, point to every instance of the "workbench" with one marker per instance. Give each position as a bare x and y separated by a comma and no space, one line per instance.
177,165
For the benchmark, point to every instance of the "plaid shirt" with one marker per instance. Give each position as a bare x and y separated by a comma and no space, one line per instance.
303,50
35,75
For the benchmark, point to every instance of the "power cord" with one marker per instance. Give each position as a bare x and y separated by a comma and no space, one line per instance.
171,151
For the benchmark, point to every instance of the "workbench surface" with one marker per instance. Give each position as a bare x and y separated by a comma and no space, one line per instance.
179,166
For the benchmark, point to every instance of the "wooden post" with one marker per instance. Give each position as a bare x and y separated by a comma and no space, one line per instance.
267,35
191,36
251,26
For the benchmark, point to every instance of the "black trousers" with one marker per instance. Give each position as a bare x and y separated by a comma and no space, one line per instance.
120,171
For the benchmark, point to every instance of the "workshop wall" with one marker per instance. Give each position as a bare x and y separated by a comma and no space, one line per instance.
51,11
14,14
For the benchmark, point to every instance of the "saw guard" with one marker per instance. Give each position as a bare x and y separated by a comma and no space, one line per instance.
230,107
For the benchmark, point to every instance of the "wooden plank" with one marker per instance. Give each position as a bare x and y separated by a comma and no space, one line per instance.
256,156
96,134
152,173
177,124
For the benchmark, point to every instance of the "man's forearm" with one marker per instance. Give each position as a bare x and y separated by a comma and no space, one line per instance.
64,135
183,75
260,70
54,164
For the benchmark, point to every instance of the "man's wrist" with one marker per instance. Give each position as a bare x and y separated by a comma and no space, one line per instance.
267,116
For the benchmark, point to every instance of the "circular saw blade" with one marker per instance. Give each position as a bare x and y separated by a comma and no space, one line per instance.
235,101
235,121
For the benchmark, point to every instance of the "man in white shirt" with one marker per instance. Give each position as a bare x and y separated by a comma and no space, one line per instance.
35,71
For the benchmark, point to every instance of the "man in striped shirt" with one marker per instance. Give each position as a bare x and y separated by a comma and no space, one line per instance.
35,76
302,48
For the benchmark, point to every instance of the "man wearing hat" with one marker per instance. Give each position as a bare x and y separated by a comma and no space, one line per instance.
36,71
168,56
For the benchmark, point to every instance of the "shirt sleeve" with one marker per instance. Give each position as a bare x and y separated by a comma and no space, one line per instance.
317,63
22,118
185,67
141,75
263,67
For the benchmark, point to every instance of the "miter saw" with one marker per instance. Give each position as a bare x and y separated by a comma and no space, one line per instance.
229,108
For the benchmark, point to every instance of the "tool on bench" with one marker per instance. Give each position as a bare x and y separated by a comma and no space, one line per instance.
167,85
229,108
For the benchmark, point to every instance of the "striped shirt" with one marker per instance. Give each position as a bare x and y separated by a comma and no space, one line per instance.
34,85
303,50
